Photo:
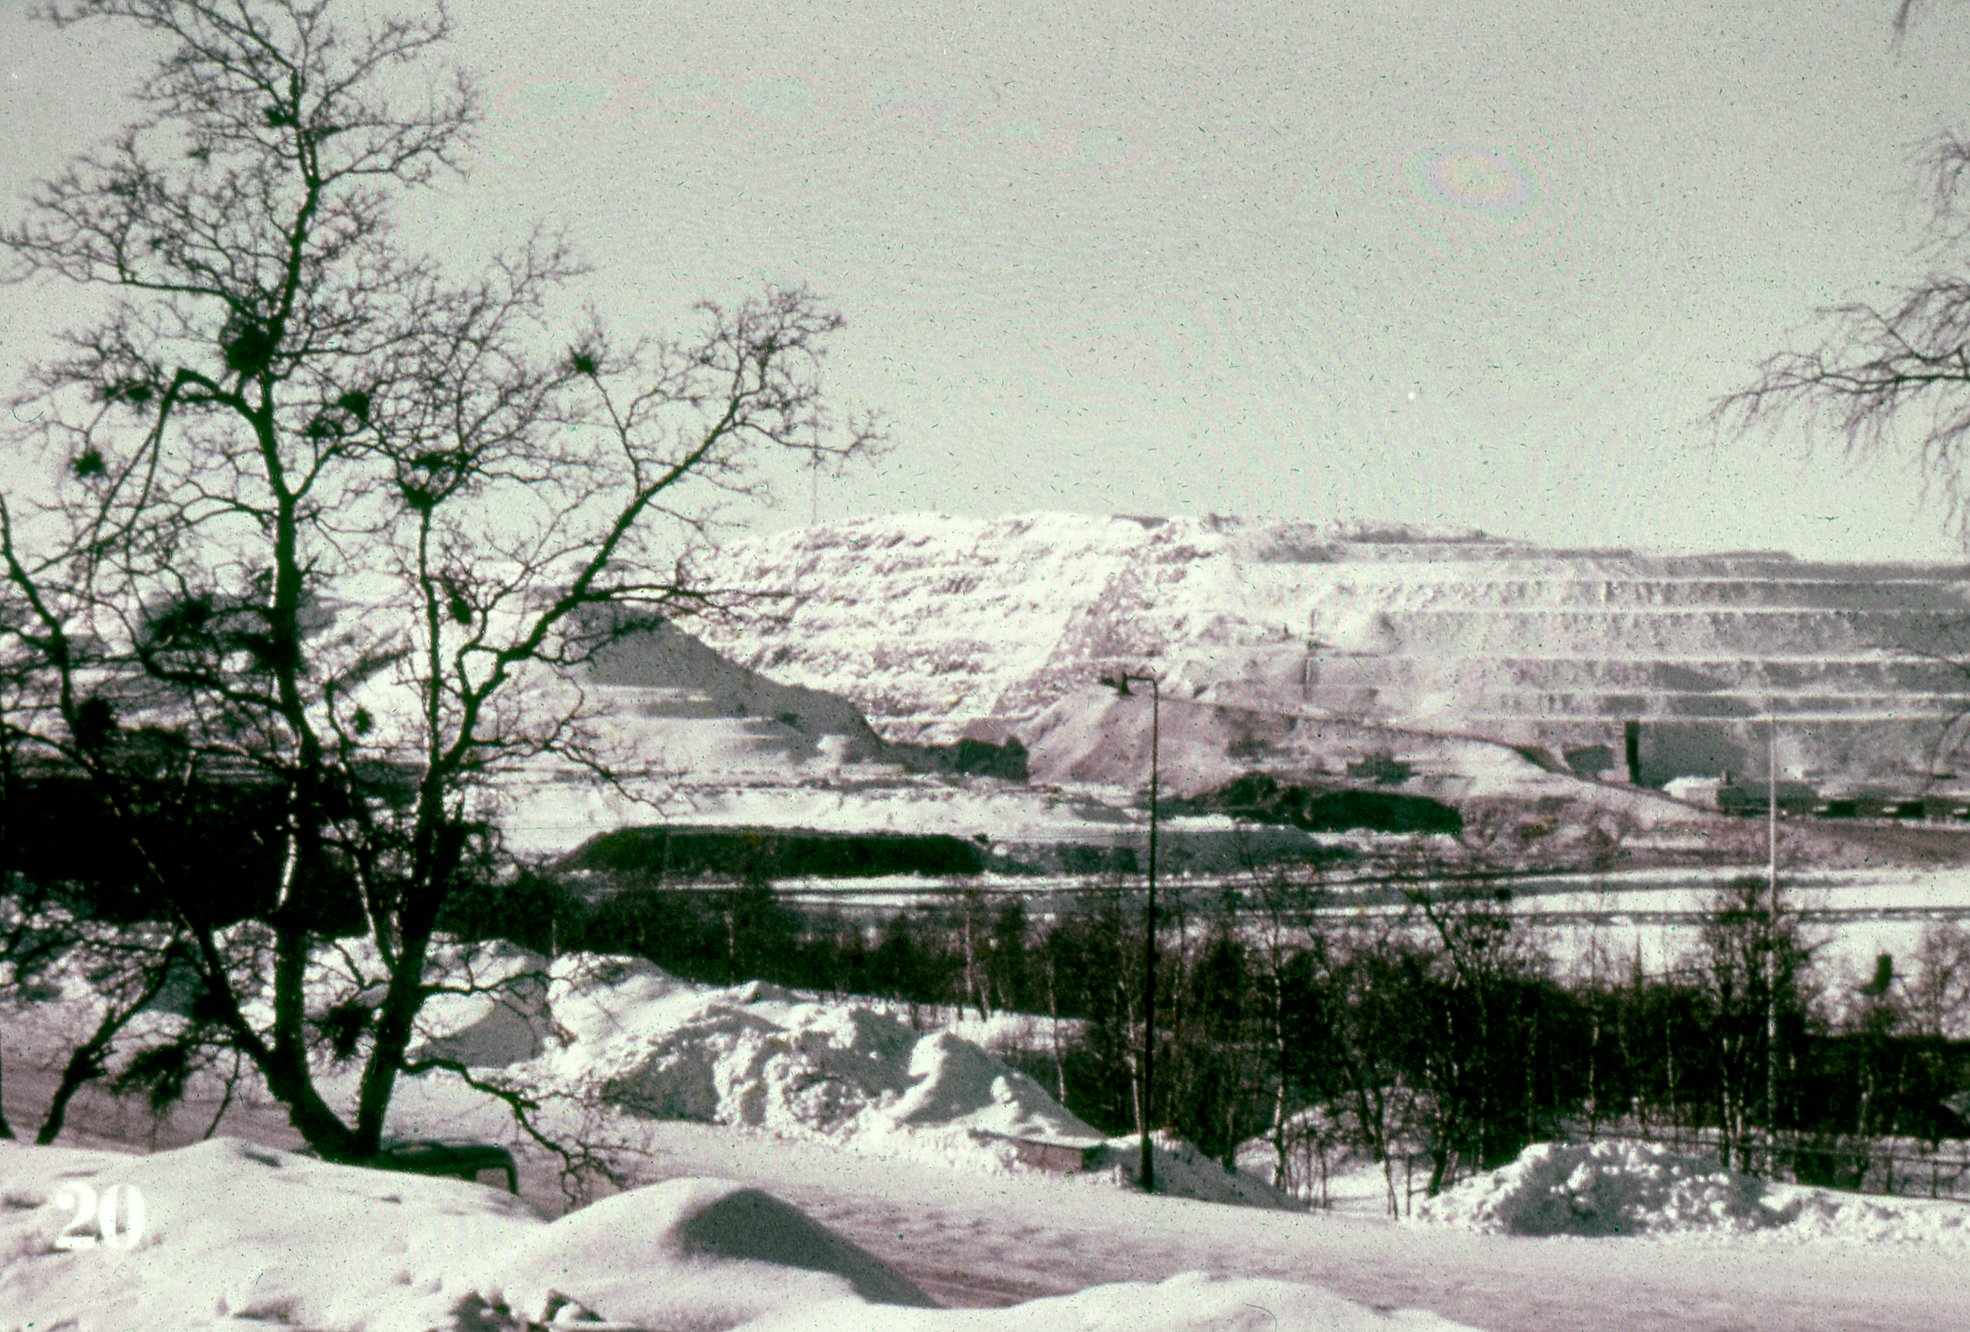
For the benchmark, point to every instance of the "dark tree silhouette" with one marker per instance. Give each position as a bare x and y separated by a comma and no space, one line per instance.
333,519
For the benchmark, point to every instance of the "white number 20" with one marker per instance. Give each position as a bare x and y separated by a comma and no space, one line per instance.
118,1213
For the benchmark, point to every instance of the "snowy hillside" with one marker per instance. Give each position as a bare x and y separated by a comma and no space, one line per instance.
938,625
738,720
699,739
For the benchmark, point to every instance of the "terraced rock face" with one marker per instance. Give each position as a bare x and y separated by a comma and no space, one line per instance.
937,626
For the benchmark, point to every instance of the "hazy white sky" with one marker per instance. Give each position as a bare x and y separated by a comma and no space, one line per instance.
1297,259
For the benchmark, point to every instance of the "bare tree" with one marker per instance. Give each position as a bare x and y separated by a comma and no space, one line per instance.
1895,372
105,976
1755,971
334,521
1284,904
1939,985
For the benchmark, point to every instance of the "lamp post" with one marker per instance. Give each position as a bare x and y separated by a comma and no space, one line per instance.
1120,682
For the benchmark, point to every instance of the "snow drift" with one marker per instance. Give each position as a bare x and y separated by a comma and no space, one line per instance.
237,1237
1605,1188
692,1253
624,1034
1631,1188
759,1056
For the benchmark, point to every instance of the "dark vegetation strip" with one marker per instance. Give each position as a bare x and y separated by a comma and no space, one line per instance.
1446,1029
1439,1024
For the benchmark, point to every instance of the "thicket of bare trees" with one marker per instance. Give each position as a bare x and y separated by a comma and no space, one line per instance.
1429,1030
302,514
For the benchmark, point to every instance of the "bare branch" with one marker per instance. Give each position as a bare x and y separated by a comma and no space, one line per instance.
335,528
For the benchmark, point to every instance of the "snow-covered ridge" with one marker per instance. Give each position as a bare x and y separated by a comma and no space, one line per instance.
934,625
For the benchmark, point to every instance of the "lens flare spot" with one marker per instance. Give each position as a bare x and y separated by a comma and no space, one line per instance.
1476,179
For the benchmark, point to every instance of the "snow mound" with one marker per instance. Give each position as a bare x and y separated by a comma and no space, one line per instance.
1823,1214
762,1057
623,1033
730,1254
239,1236
496,1015
957,1082
1606,1188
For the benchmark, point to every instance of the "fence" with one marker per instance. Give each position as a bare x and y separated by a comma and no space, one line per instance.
1894,1167
1889,1166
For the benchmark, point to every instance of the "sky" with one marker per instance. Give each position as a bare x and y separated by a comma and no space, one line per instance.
1392,262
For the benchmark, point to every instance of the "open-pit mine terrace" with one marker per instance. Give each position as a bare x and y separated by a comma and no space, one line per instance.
1656,665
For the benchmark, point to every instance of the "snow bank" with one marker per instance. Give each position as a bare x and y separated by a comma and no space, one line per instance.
1825,1214
493,1011
759,1056
1604,1188
727,1254
1628,1188
621,1033
237,1237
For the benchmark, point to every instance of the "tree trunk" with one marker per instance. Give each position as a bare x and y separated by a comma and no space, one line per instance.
84,1066
1053,1012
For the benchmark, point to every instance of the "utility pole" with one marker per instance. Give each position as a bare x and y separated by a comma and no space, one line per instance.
1771,943
1149,940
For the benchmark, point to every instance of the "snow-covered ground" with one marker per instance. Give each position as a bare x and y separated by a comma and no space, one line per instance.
227,1235
967,1236
549,814
1850,916
845,1115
